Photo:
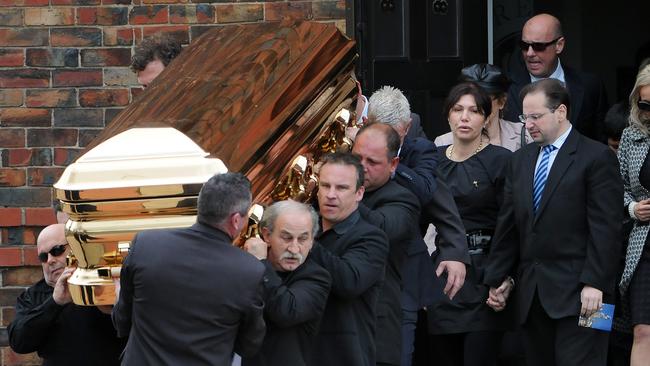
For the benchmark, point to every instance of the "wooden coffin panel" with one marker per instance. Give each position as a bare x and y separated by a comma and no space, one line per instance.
238,87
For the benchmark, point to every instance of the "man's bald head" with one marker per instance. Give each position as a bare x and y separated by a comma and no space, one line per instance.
547,22
542,42
49,238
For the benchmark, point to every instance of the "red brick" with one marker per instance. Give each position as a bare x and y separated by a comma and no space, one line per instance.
191,14
12,137
26,157
24,2
76,37
287,10
137,35
114,36
106,57
43,177
155,14
23,276
42,216
11,17
8,315
180,32
24,78
11,216
12,177
11,257
51,98
76,2
102,16
135,92
29,236
25,117
49,16
52,57
22,37
11,97
77,77
12,57
65,157
103,97
30,256
78,117
37,137
328,9
166,1
236,13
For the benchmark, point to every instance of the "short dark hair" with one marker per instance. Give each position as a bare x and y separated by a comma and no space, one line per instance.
161,47
346,158
221,196
554,90
393,141
616,119
481,97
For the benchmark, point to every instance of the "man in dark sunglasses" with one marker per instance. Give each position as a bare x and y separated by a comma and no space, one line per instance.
49,323
542,41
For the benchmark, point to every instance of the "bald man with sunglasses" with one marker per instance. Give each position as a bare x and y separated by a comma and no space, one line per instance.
49,323
542,42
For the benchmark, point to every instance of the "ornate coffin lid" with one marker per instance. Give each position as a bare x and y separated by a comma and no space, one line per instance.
141,162
244,93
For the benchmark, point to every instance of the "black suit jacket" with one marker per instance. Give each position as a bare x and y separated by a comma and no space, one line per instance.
189,297
354,253
396,211
574,238
293,305
588,101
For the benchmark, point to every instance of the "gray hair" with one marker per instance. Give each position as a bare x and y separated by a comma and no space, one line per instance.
272,212
223,195
642,79
388,105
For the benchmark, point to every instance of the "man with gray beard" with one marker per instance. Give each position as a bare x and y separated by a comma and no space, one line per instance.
295,287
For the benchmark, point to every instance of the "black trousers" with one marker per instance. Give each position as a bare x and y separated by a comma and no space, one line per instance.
561,342
466,349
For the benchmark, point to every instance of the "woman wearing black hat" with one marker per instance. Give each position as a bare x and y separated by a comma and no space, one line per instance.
501,132
465,331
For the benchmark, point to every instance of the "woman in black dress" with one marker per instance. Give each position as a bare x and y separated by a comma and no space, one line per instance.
465,330
635,170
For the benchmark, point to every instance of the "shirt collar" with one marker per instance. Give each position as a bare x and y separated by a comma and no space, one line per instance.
557,74
347,224
560,140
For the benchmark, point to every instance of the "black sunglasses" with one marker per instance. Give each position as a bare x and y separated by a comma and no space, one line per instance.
537,46
643,105
55,251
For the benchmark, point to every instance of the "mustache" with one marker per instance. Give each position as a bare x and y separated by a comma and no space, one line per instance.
297,256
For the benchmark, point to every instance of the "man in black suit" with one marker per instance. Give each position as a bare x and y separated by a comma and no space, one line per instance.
188,296
396,211
559,228
542,42
416,171
354,253
296,287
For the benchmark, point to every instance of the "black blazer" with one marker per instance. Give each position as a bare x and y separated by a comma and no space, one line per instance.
588,101
354,253
293,305
395,210
189,297
574,238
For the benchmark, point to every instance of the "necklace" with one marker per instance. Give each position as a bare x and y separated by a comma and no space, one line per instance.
450,151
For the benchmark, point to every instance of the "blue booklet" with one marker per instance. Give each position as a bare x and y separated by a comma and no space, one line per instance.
602,319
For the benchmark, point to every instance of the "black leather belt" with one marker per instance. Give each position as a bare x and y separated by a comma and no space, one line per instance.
478,241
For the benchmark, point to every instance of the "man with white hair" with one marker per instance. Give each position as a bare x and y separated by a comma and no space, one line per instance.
416,171
296,288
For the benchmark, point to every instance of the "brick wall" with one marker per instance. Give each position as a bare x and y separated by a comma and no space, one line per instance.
63,76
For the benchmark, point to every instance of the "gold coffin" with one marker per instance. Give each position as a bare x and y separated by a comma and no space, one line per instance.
266,99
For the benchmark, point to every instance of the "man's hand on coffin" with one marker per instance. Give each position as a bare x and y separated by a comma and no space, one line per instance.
61,294
256,247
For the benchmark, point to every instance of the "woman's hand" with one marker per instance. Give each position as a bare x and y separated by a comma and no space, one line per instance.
642,210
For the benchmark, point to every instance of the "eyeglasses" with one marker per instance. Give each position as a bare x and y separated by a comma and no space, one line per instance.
55,251
537,46
643,105
534,116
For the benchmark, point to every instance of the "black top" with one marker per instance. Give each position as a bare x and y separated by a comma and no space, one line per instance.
644,179
477,187
63,335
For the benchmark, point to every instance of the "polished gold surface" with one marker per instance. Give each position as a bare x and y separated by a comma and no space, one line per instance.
88,288
86,211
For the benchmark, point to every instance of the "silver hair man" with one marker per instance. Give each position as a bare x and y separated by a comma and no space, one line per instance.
388,105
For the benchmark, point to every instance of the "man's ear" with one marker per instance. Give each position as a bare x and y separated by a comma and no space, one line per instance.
266,235
393,164
559,45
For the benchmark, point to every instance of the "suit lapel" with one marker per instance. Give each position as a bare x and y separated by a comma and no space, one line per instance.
532,151
576,94
562,162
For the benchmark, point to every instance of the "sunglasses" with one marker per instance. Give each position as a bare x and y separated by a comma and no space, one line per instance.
643,105
55,251
537,46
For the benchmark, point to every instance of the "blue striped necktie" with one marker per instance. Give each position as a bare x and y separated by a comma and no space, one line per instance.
540,176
